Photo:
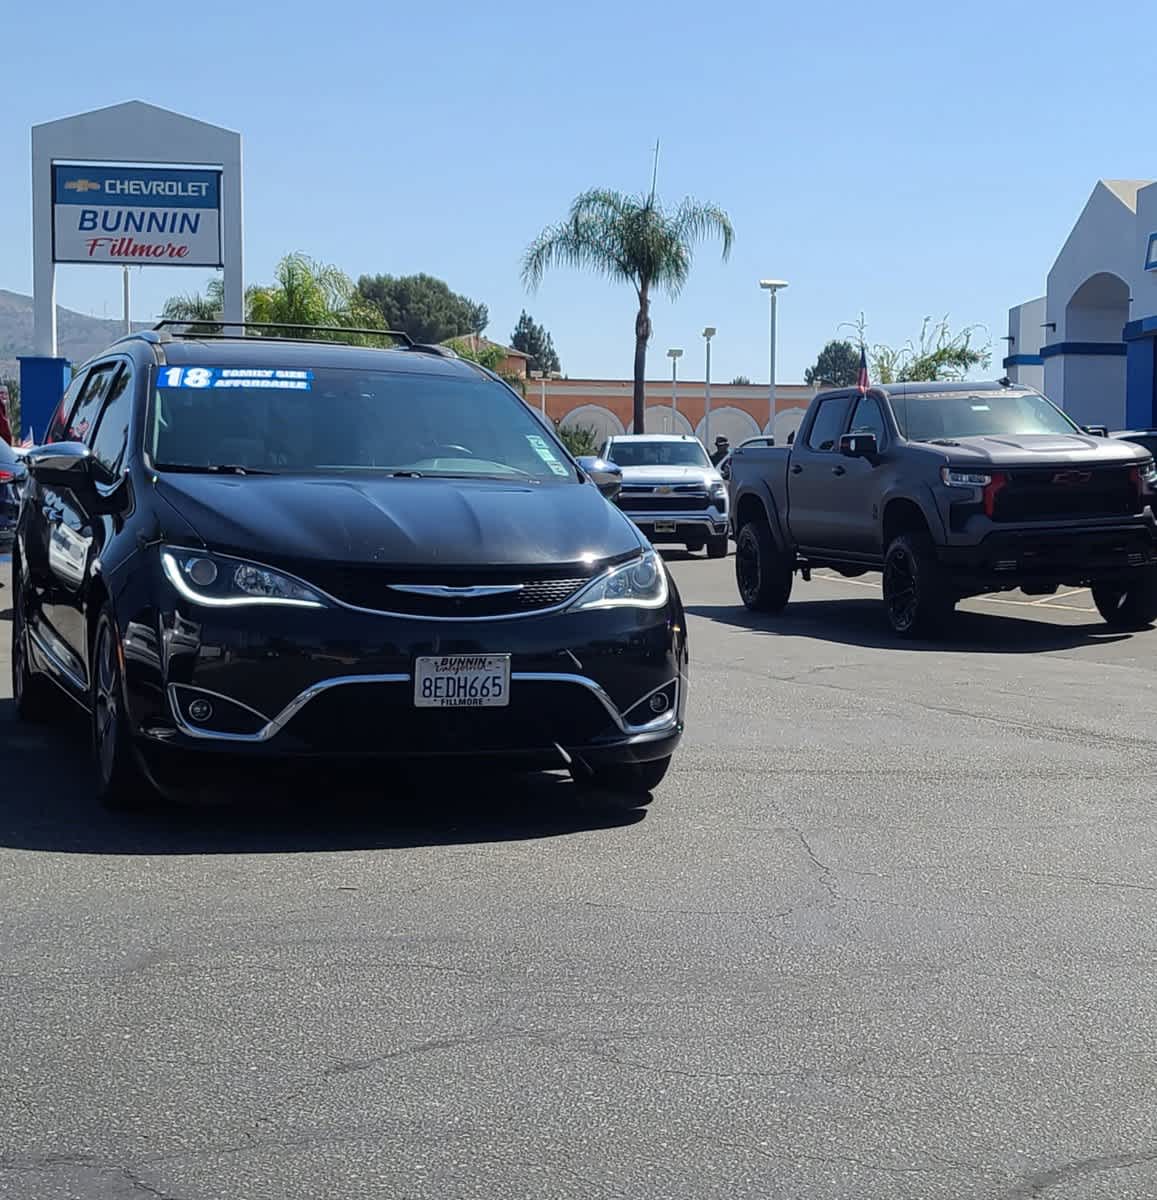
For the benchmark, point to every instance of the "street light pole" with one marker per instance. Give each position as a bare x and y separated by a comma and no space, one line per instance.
674,356
771,286
708,334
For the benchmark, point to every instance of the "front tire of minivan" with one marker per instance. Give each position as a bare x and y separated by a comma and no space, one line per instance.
121,784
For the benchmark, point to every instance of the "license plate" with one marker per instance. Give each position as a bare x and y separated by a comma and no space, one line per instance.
462,681
664,526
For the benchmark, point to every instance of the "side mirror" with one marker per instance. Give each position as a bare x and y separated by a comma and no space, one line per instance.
1097,430
61,464
605,475
859,445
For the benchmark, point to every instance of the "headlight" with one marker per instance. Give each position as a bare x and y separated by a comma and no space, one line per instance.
1149,473
218,582
638,584
719,491
955,477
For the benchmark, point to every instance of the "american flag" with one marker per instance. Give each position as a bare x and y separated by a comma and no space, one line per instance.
27,443
862,379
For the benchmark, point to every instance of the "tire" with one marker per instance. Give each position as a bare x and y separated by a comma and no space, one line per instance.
693,547
121,784
762,573
34,696
915,598
1128,606
625,784
717,547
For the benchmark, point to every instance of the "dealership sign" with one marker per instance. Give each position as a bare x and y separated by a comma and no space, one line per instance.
168,216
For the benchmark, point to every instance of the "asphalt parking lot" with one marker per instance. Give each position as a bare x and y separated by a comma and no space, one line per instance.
887,930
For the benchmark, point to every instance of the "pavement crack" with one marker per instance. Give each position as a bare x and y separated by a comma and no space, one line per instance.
138,1184
1091,880
1040,1182
826,876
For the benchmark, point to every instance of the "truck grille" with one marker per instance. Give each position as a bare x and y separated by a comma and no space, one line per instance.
1066,493
679,497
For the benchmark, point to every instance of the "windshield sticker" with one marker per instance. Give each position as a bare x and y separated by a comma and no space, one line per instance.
980,408
236,377
539,446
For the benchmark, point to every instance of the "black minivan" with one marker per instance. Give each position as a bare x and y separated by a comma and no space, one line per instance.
256,546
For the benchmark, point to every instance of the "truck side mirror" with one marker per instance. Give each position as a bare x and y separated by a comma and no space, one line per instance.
859,445
1097,430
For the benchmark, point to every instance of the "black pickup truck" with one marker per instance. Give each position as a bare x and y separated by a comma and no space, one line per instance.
950,490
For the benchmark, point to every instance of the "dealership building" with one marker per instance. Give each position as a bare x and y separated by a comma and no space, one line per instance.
1089,343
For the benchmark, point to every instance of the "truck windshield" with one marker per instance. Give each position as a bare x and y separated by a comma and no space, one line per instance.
304,421
939,416
658,454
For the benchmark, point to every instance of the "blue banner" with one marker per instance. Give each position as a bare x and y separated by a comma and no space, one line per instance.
137,187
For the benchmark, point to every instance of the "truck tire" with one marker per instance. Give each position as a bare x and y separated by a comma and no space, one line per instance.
717,547
763,573
915,598
1131,605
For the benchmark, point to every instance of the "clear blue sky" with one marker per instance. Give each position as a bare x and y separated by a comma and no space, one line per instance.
899,159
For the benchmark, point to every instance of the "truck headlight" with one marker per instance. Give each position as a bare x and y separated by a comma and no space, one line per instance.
1149,473
219,582
719,491
638,584
958,477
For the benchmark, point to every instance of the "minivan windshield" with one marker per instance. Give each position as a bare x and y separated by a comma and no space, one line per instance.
939,416
317,421
657,454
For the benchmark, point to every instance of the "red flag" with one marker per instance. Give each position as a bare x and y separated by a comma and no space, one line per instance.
862,379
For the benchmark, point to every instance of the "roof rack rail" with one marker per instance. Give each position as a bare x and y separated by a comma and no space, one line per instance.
199,328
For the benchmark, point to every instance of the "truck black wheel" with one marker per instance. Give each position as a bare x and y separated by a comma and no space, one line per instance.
762,573
717,547
917,603
1129,605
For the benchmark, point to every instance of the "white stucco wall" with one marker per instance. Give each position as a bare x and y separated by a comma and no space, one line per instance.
1026,334
1144,283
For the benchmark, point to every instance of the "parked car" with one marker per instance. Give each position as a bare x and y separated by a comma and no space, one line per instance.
11,478
951,490
245,546
724,464
671,490
1141,437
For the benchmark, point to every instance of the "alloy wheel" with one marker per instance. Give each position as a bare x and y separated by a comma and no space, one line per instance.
106,705
901,589
747,567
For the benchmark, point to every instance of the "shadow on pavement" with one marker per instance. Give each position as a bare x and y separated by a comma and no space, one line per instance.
46,804
862,623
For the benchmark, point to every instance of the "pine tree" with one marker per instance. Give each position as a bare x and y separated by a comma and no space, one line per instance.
531,338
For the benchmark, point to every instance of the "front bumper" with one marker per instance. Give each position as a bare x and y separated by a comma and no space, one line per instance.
680,527
338,683
1062,555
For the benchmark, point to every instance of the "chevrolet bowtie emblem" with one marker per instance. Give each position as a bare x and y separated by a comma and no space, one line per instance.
82,185
663,489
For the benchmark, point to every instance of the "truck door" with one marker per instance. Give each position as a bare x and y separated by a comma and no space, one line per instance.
815,511
858,490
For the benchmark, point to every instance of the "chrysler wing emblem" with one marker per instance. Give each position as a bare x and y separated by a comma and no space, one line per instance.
455,593
1072,478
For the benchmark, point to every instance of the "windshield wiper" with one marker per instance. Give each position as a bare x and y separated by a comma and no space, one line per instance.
214,469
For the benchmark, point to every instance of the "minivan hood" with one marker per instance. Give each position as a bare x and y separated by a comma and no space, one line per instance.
1029,449
656,475
406,522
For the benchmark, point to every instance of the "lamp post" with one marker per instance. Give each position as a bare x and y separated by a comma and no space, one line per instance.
708,334
771,286
542,377
674,356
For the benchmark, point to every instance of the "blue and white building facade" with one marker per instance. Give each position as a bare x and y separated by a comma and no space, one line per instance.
1090,343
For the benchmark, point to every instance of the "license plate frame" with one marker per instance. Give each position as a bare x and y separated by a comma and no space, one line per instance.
665,526
462,681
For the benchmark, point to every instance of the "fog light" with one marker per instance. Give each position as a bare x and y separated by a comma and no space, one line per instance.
659,702
200,710
202,571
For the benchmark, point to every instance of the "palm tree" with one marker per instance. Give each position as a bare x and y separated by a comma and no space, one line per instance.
634,239
306,293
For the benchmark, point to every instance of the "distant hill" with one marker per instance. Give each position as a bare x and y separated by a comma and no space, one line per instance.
78,337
